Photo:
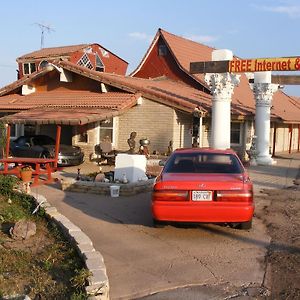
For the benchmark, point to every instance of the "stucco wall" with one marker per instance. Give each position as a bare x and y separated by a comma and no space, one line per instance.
182,134
283,136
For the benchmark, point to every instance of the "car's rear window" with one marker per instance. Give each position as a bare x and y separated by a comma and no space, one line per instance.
203,163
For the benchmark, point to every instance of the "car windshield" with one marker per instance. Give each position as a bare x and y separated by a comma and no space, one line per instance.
43,140
203,163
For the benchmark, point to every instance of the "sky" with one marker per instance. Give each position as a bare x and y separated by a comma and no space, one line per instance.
249,28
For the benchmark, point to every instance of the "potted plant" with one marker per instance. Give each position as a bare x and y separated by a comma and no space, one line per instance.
26,173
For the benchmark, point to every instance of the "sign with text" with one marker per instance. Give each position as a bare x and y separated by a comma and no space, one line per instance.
265,64
247,65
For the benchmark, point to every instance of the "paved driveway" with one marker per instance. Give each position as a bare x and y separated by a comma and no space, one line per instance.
141,260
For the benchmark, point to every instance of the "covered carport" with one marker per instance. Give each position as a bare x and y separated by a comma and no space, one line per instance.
46,116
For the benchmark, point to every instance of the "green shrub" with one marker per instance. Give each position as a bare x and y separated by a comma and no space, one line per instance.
7,183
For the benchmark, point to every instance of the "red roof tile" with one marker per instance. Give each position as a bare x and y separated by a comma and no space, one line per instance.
73,116
69,99
52,52
16,85
175,94
163,90
186,51
285,107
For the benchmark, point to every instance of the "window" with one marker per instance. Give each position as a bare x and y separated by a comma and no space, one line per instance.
29,129
13,130
99,64
235,133
85,62
162,50
29,68
203,163
43,64
106,130
82,134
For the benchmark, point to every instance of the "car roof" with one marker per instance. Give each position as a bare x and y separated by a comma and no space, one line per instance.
205,150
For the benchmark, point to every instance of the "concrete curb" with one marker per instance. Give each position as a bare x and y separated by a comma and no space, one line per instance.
98,287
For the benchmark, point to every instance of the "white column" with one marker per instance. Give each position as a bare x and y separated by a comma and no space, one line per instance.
263,91
222,86
200,131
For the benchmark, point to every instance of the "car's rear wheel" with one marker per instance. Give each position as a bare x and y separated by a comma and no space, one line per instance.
246,225
242,225
158,224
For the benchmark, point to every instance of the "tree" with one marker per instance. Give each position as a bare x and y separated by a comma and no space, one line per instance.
2,139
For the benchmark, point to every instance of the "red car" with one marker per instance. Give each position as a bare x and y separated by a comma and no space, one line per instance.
203,185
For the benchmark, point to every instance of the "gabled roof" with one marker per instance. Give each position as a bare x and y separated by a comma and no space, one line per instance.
57,52
183,50
53,52
163,90
24,80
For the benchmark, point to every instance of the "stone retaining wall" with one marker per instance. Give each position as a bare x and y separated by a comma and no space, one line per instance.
98,285
103,188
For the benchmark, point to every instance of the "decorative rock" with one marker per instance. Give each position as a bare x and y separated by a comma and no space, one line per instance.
23,230
297,181
99,177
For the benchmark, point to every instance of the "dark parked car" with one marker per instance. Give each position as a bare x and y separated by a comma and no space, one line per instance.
44,146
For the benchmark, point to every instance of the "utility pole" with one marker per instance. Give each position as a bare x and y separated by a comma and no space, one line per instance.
44,28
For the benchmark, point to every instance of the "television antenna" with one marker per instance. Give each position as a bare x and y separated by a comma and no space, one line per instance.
44,28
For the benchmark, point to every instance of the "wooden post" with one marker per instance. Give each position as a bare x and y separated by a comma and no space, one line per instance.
274,139
7,140
58,133
291,137
298,148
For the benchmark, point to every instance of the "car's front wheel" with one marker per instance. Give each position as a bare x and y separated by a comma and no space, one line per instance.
45,155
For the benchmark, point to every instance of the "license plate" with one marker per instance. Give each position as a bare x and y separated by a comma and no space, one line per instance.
202,195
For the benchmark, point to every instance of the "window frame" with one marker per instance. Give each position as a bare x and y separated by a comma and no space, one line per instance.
240,130
85,61
29,64
110,127
78,134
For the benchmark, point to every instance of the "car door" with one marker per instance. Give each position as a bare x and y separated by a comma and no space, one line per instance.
23,147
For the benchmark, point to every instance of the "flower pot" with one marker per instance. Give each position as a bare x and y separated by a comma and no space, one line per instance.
26,175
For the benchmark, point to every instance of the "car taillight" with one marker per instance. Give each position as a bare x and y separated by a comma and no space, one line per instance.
234,196
170,195
246,179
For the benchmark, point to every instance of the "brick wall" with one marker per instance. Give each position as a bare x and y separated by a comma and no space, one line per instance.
150,120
